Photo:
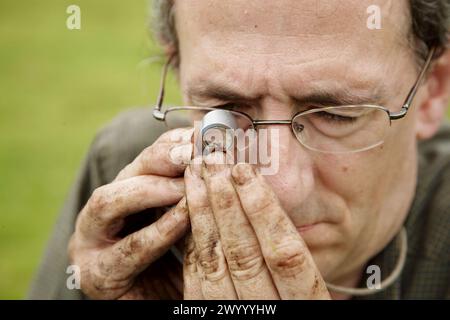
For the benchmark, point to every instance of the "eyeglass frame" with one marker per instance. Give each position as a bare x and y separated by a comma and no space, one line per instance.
161,115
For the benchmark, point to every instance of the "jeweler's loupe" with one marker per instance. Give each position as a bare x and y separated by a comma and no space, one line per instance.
217,130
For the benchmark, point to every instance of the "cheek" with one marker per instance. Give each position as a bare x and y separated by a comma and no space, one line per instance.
359,181
351,176
367,181
349,179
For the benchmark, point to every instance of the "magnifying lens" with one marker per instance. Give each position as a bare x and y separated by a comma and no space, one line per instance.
217,130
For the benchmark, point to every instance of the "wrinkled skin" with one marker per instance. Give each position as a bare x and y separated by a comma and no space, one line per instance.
322,216
243,243
114,267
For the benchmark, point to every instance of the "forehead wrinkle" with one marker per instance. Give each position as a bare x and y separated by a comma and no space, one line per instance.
317,94
280,78
277,77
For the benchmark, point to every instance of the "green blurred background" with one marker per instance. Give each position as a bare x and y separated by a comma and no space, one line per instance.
57,87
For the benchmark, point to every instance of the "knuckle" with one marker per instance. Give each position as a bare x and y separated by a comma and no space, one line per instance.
98,280
212,261
88,279
199,205
244,261
103,270
147,155
226,198
156,153
287,260
167,136
176,135
99,285
132,245
124,172
98,202
141,163
258,203
190,257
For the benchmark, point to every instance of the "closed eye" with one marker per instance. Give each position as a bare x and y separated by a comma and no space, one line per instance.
332,117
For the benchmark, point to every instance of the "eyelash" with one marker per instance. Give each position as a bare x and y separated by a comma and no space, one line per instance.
335,117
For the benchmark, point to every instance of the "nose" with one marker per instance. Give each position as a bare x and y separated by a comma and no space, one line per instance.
292,177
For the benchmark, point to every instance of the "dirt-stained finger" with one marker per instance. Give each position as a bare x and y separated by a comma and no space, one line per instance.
291,264
168,156
216,282
120,263
103,215
192,288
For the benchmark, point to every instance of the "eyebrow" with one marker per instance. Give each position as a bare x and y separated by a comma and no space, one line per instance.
218,92
319,97
339,97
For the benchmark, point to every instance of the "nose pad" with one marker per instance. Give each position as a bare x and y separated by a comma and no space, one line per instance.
297,127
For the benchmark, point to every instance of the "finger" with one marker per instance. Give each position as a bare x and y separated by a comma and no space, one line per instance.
287,257
249,273
174,271
103,215
216,282
168,156
131,255
192,288
153,284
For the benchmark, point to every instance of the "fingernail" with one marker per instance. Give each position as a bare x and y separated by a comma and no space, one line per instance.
181,154
181,206
181,135
215,163
176,219
243,173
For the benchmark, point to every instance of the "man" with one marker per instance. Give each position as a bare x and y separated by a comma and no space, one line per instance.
350,197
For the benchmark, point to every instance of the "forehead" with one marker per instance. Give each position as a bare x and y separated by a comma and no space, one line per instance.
302,22
313,37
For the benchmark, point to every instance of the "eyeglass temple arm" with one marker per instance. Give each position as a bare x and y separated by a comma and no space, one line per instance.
157,111
411,95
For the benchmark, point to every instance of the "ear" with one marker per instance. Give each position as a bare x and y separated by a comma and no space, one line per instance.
433,108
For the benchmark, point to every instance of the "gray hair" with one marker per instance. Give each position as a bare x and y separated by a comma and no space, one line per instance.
429,26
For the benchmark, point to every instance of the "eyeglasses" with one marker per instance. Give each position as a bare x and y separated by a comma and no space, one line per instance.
334,129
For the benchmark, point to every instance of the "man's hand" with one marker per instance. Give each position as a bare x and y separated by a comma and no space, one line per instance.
243,244
124,268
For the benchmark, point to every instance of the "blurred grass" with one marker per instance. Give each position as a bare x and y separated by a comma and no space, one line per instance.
58,86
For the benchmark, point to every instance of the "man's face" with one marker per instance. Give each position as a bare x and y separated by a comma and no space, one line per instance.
273,54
